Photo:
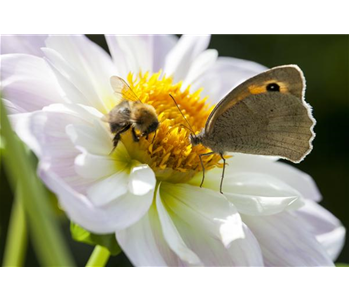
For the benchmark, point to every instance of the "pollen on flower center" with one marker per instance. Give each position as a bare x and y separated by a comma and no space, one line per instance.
170,154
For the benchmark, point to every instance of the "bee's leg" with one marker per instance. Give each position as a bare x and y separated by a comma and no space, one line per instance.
134,135
116,140
220,187
202,165
117,136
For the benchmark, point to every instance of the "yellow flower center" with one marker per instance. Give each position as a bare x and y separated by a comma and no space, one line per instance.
170,154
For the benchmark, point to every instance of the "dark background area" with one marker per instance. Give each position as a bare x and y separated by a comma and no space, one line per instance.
324,60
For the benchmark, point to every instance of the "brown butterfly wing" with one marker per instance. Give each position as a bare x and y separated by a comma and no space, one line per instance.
254,118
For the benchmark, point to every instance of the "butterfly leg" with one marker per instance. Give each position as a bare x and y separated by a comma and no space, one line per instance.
203,167
221,185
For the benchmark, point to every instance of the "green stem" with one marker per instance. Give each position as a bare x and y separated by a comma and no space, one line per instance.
17,240
95,274
48,240
99,257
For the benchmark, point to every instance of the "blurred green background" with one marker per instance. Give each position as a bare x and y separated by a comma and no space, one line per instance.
324,60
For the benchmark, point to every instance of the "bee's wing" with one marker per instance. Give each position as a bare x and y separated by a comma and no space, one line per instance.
122,90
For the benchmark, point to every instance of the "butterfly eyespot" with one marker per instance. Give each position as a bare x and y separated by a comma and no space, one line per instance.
273,87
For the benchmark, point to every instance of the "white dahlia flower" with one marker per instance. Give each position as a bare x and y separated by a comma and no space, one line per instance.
58,88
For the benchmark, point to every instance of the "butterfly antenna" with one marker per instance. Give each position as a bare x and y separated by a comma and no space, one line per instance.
190,128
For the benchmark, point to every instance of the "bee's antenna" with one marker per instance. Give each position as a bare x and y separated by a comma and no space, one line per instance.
190,128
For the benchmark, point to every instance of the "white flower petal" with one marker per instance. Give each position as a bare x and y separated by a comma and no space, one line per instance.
224,75
118,55
19,43
144,244
171,235
128,208
286,241
88,165
27,82
142,180
64,167
12,108
75,86
138,182
163,44
200,65
137,53
87,59
255,193
21,124
82,112
211,251
109,189
178,231
205,208
67,90
294,177
117,215
210,226
179,59
44,132
94,138
327,229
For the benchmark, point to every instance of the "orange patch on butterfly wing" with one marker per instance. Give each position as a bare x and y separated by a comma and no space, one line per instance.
259,89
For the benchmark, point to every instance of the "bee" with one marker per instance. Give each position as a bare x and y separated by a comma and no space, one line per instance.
131,112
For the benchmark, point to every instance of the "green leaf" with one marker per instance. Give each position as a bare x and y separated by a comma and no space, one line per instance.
340,267
105,240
